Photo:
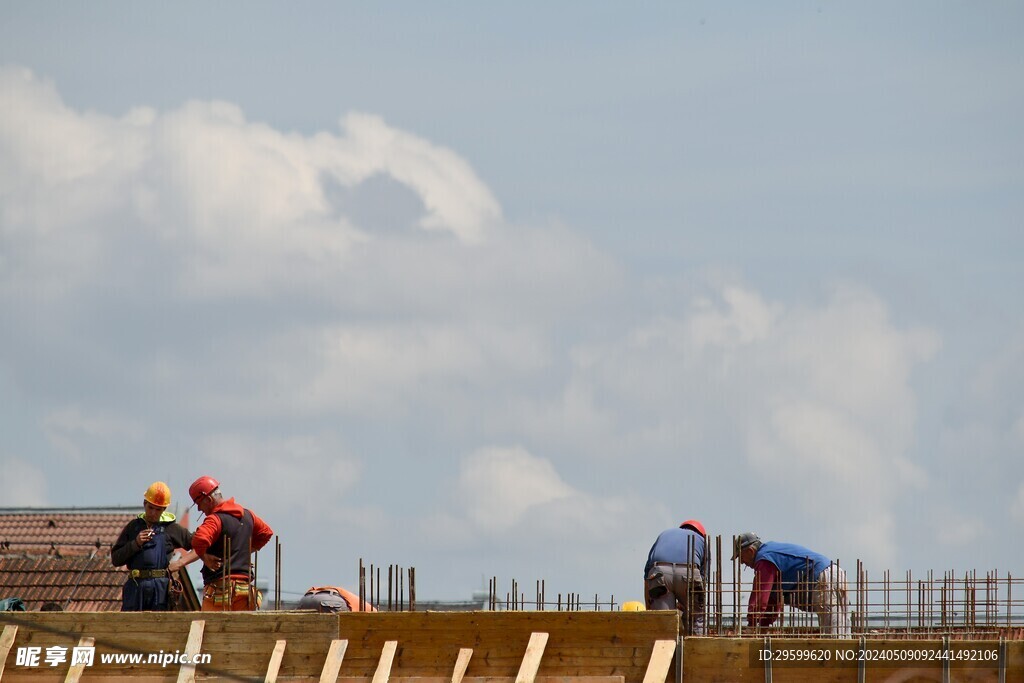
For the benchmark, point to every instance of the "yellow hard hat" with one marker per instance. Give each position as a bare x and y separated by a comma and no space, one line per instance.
158,494
633,606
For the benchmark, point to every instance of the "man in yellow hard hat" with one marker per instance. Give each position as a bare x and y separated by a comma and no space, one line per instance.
146,545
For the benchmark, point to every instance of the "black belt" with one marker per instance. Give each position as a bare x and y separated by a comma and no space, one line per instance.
148,573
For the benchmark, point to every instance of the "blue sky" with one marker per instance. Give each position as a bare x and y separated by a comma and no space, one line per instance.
505,291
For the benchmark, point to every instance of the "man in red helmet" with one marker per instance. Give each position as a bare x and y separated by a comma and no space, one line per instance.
226,540
676,573
146,545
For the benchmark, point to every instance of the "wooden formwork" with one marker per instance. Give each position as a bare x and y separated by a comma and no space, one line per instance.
409,647
477,647
810,660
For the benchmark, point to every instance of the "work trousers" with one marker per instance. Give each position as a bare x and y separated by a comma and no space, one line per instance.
677,586
830,602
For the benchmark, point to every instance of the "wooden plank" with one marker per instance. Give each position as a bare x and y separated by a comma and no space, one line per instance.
720,660
76,668
387,656
532,657
461,664
661,660
490,679
332,665
275,662
6,642
187,672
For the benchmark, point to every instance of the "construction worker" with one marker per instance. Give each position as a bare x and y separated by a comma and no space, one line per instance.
805,579
333,599
146,545
676,573
225,541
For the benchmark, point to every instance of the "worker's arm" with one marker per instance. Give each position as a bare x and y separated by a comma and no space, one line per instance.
125,546
208,532
761,609
261,532
183,560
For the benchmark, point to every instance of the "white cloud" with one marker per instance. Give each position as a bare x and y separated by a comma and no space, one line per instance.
66,429
25,484
190,268
812,401
276,475
499,485
243,205
744,319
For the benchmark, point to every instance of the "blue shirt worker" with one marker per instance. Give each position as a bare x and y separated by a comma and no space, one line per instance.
804,579
676,574
146,545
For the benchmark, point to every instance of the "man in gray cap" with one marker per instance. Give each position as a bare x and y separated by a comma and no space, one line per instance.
806,580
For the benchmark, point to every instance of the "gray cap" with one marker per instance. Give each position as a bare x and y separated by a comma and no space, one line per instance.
743,541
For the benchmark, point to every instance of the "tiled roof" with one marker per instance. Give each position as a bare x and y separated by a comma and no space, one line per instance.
62,555
62,532
77,584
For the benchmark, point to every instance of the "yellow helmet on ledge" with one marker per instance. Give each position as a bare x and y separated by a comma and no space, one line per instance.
633,606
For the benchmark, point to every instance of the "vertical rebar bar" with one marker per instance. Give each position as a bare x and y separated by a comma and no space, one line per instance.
277,572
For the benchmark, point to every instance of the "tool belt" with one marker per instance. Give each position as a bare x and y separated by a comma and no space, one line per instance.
224,591
148,573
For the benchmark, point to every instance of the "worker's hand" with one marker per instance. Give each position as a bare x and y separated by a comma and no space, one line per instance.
212,562
144,537
175,564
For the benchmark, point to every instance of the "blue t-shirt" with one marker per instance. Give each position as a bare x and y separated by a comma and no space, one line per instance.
679,546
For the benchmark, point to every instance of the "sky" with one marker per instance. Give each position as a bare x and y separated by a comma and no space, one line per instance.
504,290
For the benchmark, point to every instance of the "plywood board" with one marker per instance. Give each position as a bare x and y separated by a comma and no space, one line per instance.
332,664
460,664
661,661
6,643
387,657
275,662
531,659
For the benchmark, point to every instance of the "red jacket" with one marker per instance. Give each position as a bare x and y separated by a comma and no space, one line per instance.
210,530
764,606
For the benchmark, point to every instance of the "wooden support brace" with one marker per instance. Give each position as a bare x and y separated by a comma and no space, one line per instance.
531,660
332,665
187,672
461,664
661,660
76,669
387,656
275,662
6,643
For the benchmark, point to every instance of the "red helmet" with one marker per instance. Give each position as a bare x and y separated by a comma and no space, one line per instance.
688,524
202,487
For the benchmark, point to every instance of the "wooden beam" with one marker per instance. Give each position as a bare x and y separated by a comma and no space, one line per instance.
531,660
76,668
275,662
187,672
387,656
332,665
661,660
461,664
6,642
